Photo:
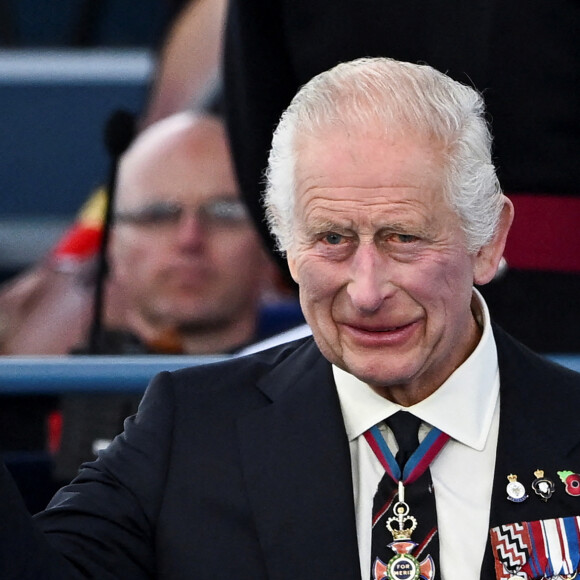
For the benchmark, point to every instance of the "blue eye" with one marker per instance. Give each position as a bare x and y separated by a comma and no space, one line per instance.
333,239
405,238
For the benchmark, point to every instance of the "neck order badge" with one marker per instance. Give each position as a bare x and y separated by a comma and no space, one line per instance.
405,565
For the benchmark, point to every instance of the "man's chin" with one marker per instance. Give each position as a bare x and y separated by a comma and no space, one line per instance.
381,371
182,315
201,323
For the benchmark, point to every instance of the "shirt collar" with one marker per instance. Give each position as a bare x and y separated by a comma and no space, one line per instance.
462,406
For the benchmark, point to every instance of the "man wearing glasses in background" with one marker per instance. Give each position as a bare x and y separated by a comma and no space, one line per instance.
184,254
188,273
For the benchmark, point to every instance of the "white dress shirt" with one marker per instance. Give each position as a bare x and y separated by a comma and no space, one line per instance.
466,407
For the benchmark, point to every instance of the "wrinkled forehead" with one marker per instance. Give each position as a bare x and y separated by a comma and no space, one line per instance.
367,158
177,174
369,179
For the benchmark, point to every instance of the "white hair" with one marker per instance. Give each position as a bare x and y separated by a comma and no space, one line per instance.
395,97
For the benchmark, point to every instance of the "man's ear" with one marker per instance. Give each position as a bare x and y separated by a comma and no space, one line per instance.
291,259
488,257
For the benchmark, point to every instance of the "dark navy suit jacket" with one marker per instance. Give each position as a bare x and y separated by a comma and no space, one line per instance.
241,469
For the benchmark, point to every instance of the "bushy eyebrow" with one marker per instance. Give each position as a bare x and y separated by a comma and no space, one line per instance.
404,228
316,227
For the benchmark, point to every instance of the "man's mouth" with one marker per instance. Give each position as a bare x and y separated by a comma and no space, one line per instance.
384,335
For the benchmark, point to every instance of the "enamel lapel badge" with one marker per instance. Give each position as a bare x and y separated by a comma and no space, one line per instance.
515,490
572,482
543,486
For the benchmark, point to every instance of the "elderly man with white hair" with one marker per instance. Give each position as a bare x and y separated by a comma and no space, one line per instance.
408,438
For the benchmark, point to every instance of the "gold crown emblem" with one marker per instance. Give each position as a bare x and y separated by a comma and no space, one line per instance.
407,525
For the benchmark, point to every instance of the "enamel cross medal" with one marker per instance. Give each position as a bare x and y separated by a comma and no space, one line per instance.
403,566
405,563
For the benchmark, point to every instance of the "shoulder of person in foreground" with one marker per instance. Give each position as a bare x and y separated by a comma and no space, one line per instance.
105,522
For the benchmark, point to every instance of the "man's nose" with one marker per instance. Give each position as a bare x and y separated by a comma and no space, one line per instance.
370,282
191,231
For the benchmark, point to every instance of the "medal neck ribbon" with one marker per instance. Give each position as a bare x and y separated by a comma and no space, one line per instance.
419,461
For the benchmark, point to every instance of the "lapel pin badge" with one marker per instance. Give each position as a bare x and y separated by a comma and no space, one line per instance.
572,482
515,490
543,486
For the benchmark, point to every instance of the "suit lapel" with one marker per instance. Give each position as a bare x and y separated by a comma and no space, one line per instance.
296,459
297,466
532,435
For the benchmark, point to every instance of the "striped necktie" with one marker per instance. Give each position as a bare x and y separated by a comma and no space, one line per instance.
405,543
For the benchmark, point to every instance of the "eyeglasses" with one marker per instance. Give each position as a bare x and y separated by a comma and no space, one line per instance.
217,213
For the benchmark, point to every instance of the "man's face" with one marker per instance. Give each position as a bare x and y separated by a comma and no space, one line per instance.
385,278
181,255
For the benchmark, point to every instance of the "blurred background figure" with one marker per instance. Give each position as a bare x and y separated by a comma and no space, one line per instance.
189,61
218,294
57,291
48,307
187,270
188,274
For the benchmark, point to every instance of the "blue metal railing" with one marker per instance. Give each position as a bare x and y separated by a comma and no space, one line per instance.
61,374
